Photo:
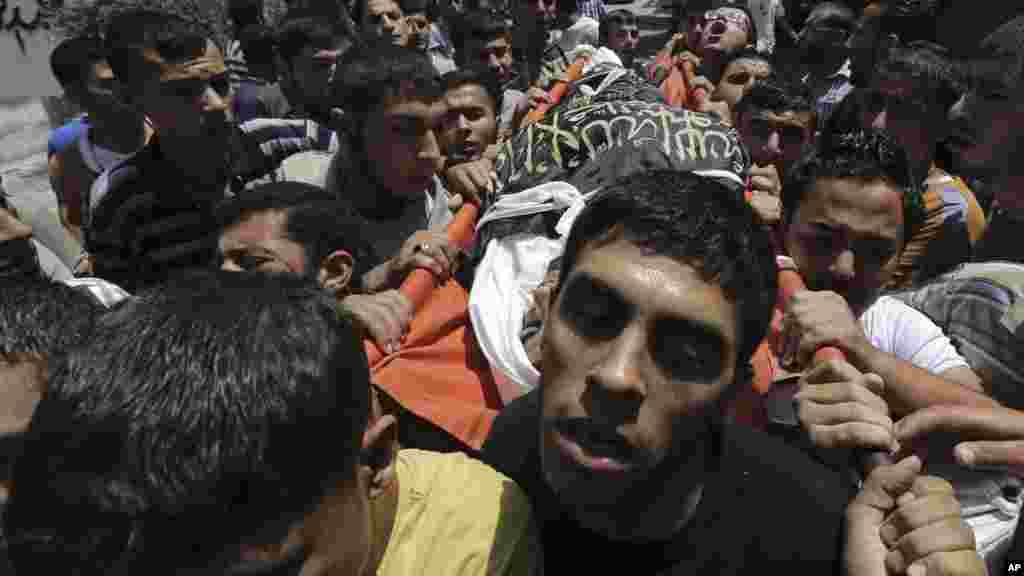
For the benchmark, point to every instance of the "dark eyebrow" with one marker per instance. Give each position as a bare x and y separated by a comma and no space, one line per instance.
677,324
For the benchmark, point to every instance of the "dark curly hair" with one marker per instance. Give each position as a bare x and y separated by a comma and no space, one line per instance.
861,154
691,219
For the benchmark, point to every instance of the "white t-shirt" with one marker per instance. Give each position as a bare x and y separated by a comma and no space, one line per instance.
897,329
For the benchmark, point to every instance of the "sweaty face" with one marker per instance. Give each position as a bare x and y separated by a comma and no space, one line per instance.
384,19
496,55
638,350
258,244
895,107
844,235
776,139
401,140
738,78
725,30
470,125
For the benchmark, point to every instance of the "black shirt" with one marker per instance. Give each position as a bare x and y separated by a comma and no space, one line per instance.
153,220
769,509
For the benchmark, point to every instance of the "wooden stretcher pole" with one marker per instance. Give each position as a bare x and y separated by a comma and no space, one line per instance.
420,282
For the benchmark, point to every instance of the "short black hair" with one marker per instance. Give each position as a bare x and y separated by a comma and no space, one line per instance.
480,25
130,32
928,66
840,9
72,59
695,220
478,75
417,7
620,17
746,53
182,428
313,219
866,155
42,318
778,94
372,72
245,12
304,28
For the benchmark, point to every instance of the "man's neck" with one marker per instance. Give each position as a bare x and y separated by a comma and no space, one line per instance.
123,134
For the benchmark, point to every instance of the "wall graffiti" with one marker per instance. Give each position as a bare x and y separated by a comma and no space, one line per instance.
25,17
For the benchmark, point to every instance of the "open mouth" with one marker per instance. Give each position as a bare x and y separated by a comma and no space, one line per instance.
595,447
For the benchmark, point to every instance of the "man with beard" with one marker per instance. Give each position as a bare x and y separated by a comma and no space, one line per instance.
154,212
823,52
666,289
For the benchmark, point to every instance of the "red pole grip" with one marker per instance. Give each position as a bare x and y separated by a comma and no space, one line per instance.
790,283
557,91
420,282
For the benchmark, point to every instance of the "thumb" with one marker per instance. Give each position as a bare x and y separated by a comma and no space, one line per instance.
887,483
455,202
1006,455
875,384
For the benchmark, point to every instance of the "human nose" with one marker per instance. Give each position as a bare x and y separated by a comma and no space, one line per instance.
429,149
616,387
774,144
880,120
844,266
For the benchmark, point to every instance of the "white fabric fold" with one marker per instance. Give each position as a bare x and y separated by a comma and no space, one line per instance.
511,269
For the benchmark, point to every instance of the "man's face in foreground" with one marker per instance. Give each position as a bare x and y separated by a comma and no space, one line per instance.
638,350
844,236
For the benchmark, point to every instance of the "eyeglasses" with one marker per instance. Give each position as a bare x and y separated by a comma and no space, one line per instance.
191,89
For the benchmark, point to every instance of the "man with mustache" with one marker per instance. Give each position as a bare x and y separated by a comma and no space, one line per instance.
666,288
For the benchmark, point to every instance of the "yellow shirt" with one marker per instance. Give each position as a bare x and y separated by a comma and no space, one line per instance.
458,516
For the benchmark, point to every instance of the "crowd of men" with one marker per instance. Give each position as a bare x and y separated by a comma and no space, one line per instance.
249,214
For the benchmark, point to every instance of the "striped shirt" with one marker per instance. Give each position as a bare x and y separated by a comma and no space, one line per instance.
279,138
595,9
234,60
829,91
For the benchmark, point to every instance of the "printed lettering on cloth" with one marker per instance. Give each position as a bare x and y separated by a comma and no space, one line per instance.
601,133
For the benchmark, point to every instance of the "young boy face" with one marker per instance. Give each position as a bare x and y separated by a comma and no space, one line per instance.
400,137
470,123
383,19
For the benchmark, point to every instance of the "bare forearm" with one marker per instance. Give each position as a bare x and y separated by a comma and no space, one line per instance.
377,279
909,388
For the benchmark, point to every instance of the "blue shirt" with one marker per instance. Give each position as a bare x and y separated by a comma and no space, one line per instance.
61,138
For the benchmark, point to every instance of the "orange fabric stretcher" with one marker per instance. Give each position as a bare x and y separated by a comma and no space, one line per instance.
440,374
